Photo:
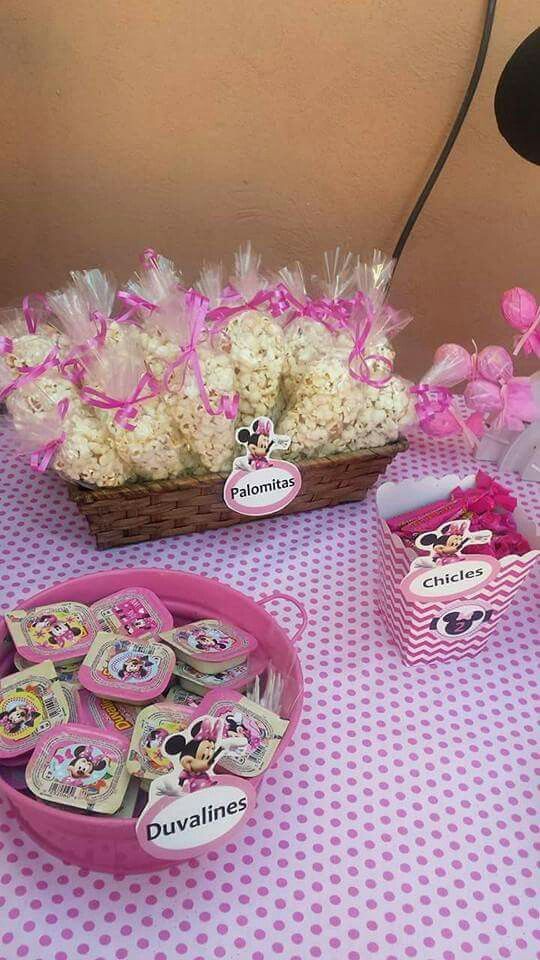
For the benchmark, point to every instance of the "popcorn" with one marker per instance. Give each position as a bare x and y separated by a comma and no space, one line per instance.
157,393
85,455
154,449
158,285
256,342
211,438
136,419
257,352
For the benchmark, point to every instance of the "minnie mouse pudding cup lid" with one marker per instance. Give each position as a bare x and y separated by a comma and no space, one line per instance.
59,631
81,767
210,646
134,612
31,702
134,671
238,677
107,714
262,729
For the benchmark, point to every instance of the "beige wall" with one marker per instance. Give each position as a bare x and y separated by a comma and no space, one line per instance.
192,126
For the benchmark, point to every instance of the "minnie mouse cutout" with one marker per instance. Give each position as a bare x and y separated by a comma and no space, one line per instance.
191,808
446,543
258,441
194,754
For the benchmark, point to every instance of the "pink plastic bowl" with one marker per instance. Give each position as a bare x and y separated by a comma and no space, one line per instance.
100,843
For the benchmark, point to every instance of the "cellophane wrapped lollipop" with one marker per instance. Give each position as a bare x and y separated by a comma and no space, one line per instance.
136,416
72,438
200,388
257,346
158,285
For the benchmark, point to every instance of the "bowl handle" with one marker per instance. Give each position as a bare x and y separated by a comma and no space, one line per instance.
296,603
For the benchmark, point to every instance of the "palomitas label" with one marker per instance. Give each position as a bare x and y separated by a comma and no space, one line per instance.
260,492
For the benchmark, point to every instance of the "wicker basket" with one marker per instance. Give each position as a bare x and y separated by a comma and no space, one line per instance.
166,508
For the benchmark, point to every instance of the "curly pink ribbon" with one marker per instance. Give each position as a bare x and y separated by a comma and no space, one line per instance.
219,316
197,309
363,325
433,400
41,458
31,315
127,409
30,373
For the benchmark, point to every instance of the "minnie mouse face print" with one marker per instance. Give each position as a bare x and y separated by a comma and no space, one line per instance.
127,670
190,808
31,702
81,767
262,729
446,544
58,632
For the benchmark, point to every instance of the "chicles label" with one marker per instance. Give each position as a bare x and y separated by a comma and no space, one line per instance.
172,827
459,578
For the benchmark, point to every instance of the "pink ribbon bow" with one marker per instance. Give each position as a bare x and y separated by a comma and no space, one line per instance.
134,303
73,366
212,728
42,457
126,409
220,316
197,311
29,374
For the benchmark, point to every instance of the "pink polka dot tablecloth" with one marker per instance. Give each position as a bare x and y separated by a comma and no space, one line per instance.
399,825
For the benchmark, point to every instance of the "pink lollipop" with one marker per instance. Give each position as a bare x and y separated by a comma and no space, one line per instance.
520,309
451,365
495,363
483,396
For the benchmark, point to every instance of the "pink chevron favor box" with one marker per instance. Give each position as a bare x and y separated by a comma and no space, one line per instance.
444,611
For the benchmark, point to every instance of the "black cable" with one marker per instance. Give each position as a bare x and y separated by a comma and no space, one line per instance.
452,136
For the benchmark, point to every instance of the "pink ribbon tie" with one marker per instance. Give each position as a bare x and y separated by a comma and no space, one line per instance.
30,374
197,308
42,457
127,409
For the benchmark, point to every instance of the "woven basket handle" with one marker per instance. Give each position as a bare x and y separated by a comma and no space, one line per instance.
296,603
